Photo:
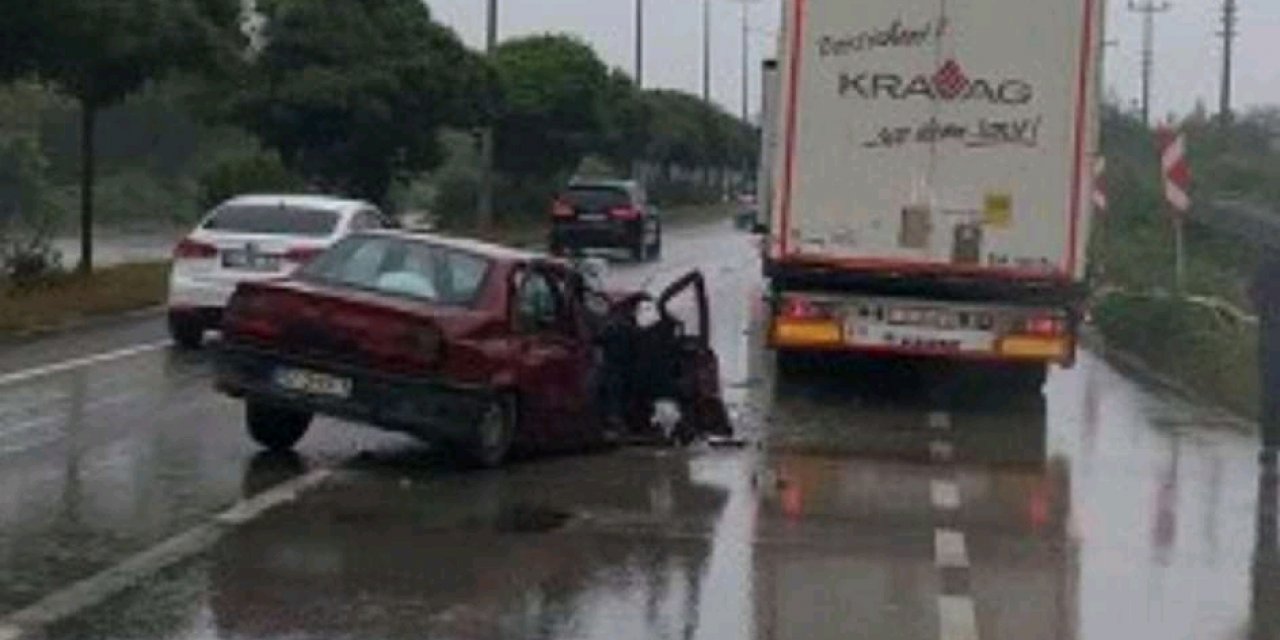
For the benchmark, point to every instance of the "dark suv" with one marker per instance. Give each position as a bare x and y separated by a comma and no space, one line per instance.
605,214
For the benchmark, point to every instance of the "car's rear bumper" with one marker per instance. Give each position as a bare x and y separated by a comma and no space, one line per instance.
425,408
187,292
605,234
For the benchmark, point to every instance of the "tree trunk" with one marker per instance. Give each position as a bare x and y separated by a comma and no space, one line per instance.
88,124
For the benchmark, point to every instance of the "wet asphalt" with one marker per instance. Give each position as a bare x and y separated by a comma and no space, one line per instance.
864,502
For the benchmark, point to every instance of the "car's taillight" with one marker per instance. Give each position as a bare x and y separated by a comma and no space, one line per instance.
252,313
561,209
189,249
624,213
802,308
302,255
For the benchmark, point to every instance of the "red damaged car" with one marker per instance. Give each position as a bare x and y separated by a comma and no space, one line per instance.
469,345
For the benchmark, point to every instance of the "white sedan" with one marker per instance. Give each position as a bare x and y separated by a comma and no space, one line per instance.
256,237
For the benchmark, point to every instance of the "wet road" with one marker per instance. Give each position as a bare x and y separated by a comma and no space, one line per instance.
1103,510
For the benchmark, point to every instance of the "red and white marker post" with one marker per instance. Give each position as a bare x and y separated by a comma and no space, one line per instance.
1177,183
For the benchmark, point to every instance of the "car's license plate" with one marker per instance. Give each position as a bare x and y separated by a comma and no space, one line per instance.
592,217
240,259
313,382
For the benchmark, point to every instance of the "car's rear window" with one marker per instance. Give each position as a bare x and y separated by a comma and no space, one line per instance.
402,267
273,220
596,198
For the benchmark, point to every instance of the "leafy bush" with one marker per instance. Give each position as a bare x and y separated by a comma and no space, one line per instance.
28,216
456,194
681,193
257,173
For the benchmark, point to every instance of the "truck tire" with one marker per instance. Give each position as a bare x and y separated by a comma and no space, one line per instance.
275,428
494,435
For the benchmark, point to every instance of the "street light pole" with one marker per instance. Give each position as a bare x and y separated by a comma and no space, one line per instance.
640,43
706,50
746,53
485,206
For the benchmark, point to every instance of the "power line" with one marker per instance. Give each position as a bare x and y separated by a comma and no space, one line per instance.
1228,34
1148,9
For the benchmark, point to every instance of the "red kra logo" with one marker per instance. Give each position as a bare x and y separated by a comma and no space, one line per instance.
950,80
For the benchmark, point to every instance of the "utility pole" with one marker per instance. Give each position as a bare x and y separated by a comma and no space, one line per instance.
1228,42
706,51
746,54
640,44
1148,9
484,208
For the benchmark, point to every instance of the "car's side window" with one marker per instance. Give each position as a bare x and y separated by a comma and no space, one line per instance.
538,307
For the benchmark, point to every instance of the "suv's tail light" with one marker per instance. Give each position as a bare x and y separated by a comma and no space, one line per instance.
625,213
561,209
189,249
302,255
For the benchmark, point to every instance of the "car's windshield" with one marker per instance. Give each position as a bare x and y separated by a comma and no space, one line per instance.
402,267
273,220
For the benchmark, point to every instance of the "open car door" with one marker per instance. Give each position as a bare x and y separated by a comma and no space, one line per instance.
684,311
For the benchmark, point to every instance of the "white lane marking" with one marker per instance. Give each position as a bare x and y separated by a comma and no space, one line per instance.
77,363
945,495
956,618
940,420
31,621
949,549
941,451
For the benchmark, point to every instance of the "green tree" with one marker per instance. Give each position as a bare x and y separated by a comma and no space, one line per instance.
98,52
352,93
553,92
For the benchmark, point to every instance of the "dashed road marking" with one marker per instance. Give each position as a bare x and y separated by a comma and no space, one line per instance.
949,549
77,363
956,618
940,420
31,621
944,494
941,451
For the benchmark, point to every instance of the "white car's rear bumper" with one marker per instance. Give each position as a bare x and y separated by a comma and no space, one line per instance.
187,292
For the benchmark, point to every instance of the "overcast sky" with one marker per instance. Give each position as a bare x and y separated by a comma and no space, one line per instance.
1187,64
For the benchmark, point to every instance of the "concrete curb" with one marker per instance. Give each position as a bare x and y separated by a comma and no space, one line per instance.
1134,365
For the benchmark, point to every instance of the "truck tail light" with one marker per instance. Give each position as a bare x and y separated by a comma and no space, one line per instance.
189,249
802,308
1044,326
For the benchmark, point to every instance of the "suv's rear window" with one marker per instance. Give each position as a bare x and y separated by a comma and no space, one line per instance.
402,267
273,220
596,198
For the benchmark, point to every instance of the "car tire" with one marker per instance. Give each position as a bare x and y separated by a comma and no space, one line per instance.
639,246
655,249
187,332
276,428
495,434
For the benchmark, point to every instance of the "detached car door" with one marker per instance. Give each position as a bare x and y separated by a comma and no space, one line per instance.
556,359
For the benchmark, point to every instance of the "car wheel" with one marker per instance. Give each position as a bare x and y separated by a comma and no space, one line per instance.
639,246
187,332
275,428
494,434
655,249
